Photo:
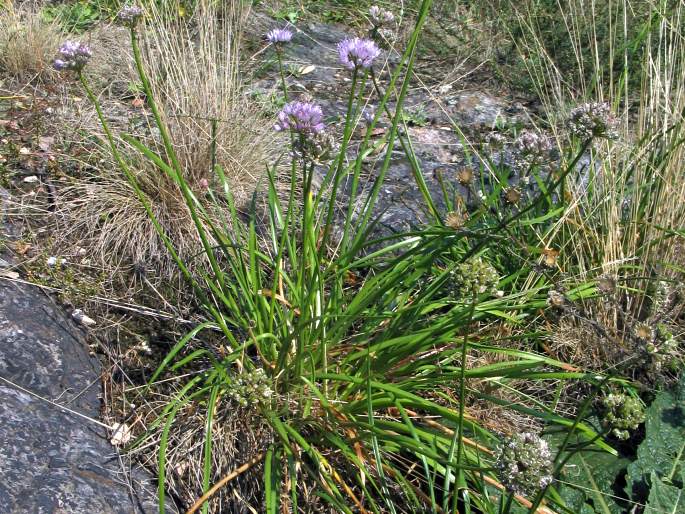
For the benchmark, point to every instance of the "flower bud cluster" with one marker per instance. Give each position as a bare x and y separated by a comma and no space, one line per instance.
622,414
250,387
593,120
662,350
475,276
531,148
380,17
524,463
130,16
72,56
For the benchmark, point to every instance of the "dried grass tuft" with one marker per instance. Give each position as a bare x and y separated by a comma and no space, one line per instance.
27,44
239,436
193,67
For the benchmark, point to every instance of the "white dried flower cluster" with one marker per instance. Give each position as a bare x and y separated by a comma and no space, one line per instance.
524,463
593,120
250,387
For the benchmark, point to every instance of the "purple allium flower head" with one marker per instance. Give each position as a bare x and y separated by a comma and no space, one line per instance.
72,56
130,15
279,36
357,52
369,114
303,117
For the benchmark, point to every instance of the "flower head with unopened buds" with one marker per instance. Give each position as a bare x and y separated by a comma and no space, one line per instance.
622,414
72,56
593,120
380,17
304,118
250,388
475,276
495,140
130,16
524,463
531,147
279,37
357,52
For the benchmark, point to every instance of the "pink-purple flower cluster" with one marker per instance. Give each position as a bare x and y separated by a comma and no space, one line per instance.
130,15
531,148
593,119
73,56
357,52
302,117
279,36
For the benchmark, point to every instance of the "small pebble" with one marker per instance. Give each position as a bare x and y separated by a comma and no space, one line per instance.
81,318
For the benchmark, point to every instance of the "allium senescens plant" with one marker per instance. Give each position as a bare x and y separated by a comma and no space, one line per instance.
354,348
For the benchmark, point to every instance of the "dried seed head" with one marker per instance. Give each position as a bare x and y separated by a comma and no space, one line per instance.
465,176
555,299
512,195
456,220
606,284
645,331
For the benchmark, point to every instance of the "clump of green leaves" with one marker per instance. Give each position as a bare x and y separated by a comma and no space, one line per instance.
658,474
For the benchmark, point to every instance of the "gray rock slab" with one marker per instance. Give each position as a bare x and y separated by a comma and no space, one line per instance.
52,460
